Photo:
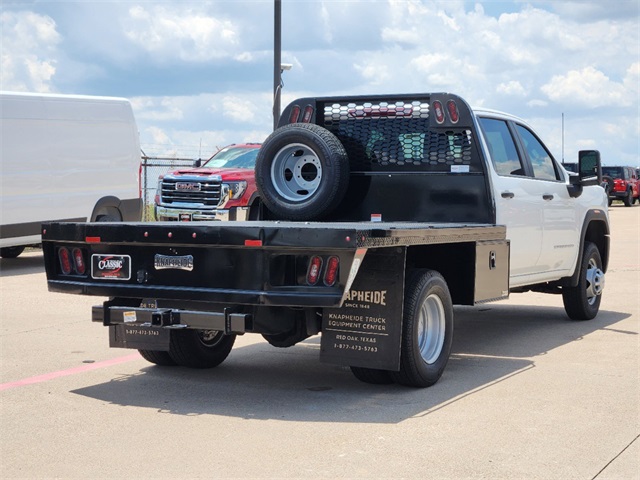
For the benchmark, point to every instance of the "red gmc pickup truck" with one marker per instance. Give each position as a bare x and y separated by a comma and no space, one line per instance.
223,188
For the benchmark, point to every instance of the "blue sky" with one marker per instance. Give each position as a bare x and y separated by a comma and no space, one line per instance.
199,74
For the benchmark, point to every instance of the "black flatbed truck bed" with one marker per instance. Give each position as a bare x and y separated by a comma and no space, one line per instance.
268,238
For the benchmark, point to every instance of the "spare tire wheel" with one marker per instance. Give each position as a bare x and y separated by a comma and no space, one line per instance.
302,172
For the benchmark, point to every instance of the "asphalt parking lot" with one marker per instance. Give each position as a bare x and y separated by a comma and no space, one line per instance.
527,394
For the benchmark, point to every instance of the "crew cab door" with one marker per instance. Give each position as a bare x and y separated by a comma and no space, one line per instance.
515,199
560,226
532,200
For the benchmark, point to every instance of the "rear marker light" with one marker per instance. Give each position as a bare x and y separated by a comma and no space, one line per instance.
78,261
438,110
92,239
452,108
331,274
295,114
308,113
313,273
253,243
65,260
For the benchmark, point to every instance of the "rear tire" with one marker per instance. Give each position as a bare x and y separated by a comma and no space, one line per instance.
11,252
628,200
582,302
372,375
159,358
427,329
200,348
108,218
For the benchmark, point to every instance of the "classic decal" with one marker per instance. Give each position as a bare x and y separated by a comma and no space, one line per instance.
109,266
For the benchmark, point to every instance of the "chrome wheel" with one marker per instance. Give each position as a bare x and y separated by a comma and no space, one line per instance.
296,172
427,329
595,281
431,329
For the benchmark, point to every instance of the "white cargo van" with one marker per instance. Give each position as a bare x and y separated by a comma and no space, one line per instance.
66,158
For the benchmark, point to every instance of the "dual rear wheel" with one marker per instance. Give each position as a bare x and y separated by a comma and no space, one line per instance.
194,349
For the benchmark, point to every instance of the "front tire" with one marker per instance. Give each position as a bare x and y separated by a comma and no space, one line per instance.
582,302
427,329
200,348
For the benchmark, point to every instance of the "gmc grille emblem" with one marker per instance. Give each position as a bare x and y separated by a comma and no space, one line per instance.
188,187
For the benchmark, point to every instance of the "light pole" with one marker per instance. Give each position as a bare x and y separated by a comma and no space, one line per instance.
277,66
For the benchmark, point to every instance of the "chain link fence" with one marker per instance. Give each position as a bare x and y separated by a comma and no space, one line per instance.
151,169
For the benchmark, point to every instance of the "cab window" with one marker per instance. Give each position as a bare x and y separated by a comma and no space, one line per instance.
541,161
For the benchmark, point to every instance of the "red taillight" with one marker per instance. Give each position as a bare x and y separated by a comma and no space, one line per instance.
452,108
331,273
78,261
438,111
295,114
65,260
619,185
313,272
308,113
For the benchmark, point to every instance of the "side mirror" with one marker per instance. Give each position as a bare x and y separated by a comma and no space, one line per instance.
589,167
197,163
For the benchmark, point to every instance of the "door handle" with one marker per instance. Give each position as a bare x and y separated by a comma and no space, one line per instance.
507,194
547,196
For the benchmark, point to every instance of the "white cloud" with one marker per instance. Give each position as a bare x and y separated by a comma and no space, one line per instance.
238,109
29,48
157,108
512,87
589,87
186,34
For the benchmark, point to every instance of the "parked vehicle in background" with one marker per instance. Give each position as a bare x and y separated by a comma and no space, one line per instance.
65,158
623,184
223,188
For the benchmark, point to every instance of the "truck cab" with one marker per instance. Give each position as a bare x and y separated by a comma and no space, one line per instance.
535,200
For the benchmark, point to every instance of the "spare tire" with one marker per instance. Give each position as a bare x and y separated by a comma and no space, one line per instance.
302,172
608,181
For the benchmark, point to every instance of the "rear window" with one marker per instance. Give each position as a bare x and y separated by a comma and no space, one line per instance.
613,172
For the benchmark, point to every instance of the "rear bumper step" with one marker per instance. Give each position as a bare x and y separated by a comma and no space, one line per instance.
226,321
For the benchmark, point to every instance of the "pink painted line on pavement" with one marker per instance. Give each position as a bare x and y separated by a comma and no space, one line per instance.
70,371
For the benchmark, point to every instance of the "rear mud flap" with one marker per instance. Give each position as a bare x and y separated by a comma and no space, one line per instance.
367,330
139,337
